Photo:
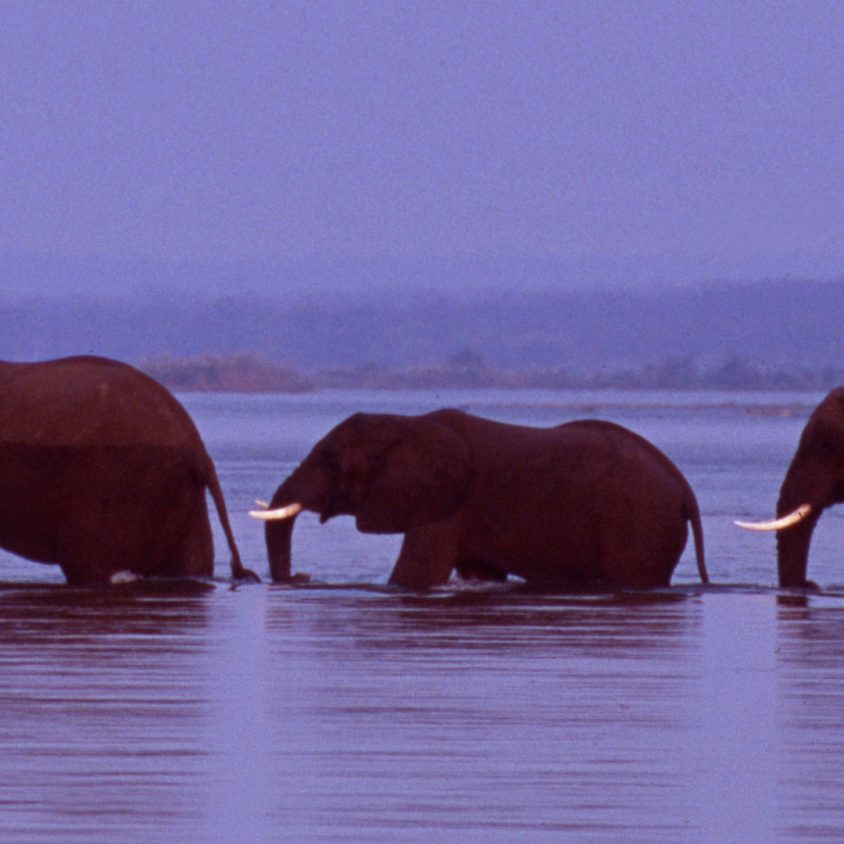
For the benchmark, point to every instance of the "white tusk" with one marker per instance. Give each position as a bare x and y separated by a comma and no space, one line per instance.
262,504
287,512
782,523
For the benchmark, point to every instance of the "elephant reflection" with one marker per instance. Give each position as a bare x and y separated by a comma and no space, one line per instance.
102,472
814,481
582,505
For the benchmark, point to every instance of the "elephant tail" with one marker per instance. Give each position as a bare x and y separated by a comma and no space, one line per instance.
239,571
697,533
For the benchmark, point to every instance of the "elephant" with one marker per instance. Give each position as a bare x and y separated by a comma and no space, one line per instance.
813,481
587,504
103,472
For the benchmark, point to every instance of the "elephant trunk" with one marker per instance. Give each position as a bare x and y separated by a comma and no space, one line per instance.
793,552
278,534
793,542
279,538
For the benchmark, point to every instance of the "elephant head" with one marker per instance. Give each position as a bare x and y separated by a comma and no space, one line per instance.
814,481
392,473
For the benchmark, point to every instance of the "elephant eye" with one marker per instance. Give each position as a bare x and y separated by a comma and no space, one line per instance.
331,465
348,464
827,442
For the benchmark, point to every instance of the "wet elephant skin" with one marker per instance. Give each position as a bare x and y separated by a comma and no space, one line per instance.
103,471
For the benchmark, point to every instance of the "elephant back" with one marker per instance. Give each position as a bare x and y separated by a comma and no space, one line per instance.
89,401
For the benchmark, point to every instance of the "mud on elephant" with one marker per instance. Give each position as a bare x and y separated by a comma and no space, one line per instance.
814,481
102,471
585,504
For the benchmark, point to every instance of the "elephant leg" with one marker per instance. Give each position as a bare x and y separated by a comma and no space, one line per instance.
157,524
473,570
91,552
644,557
191,552
428,556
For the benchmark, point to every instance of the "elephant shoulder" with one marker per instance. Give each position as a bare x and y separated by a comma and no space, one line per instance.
449,416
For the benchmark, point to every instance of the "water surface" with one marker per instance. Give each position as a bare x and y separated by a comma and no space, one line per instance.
350,712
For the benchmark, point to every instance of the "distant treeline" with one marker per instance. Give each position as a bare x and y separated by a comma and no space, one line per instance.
688,335
239,373
248,373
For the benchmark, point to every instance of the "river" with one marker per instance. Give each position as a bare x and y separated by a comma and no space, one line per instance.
346,711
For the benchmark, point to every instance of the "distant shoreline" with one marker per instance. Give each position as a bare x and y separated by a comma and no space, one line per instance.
761,335
248,373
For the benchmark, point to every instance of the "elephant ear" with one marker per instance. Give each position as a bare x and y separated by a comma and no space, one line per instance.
422,476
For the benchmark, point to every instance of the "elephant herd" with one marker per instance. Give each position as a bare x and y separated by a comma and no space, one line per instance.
104,473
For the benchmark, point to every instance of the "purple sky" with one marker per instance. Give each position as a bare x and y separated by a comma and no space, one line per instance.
676,140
